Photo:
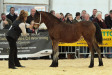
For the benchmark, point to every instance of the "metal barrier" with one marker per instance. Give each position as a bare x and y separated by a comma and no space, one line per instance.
82,50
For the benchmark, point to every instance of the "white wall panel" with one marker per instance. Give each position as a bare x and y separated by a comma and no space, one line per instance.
28,1
74,6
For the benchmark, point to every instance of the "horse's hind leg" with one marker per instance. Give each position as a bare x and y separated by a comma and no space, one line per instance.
96,47
90,45
55,54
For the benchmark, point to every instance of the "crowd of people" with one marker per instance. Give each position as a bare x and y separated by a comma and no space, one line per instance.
96,17
7,20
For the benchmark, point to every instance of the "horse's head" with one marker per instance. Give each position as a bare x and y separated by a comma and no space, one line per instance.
37,19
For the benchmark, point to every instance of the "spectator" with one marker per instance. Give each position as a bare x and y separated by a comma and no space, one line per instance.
52,12
30,19
83,14
12,16
70,19
99,20
87,17
93,16
58,16
62,17
77,18
86,50
106,15
66,16
5,22
108,20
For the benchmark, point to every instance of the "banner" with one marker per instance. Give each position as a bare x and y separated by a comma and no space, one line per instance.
107,40
33,45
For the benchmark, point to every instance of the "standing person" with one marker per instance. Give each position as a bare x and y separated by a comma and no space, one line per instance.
12,16
70,19
87,17
66,16
83,14
77,18
106,15
108,20
99,20
62,17
52,12
19,26
5,23
86,49
30,19
94,14
58,16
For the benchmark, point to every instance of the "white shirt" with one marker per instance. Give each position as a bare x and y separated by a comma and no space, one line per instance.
23,28
1,25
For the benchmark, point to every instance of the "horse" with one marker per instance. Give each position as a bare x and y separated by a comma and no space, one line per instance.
69,33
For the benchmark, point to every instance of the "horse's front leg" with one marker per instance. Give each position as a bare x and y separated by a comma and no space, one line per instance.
55,54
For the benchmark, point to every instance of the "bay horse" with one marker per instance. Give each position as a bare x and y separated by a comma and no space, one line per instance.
69,33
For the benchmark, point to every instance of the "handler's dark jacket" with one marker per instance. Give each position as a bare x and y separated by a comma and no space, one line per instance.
108,22
15,31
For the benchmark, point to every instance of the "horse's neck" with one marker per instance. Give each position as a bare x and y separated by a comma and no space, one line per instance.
51,21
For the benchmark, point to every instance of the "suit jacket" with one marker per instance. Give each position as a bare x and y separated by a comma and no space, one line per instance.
12,18
108,22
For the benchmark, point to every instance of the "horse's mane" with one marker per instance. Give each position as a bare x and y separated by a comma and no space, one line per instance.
53,16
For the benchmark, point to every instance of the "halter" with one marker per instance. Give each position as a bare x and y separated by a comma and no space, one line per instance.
40,20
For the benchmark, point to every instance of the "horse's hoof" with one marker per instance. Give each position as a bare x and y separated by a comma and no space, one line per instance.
53,66
100,65
91,66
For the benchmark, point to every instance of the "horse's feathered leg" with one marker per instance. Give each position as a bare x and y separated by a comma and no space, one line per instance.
92,55
96,47
55,54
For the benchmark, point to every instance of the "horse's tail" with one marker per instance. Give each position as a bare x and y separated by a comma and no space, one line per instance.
98,34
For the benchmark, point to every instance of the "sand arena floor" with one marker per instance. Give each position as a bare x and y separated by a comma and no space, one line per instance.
66,67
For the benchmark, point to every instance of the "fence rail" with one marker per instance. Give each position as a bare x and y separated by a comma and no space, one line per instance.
83,50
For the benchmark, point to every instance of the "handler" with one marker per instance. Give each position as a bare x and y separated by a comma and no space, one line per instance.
19,26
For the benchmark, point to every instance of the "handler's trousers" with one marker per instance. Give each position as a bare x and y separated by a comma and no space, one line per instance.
13,60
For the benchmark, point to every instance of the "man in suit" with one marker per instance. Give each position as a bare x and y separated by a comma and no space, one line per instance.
108,20
30,19
12,16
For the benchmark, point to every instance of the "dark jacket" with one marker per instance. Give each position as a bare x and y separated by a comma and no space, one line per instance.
70,22
92,18
29,19
12,18
15,31
101,24
108,22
